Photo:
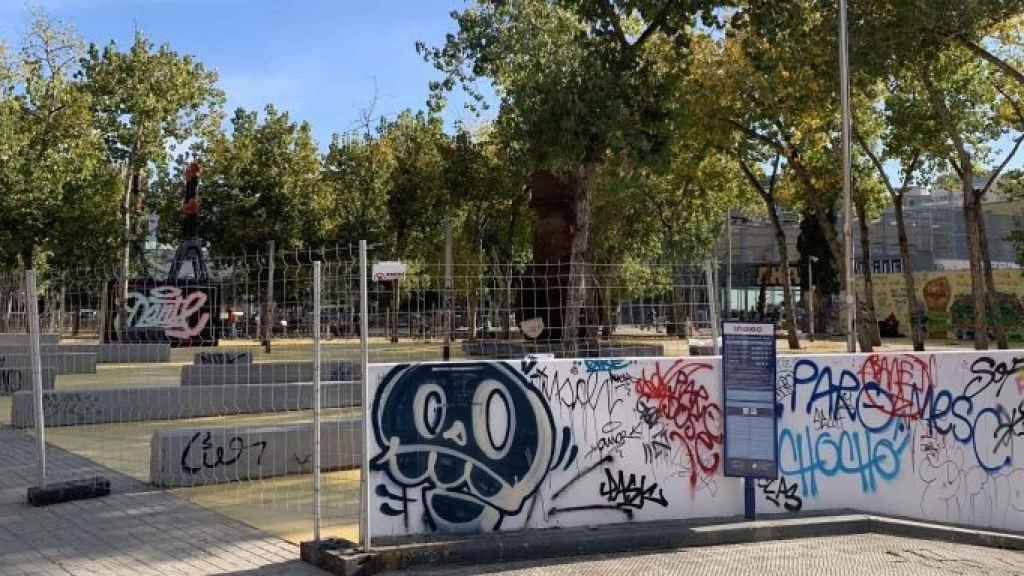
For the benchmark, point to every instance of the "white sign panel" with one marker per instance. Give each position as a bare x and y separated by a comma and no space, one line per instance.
386,271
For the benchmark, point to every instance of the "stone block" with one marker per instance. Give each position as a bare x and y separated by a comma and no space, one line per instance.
219,357
14,379
80,407
201,456
62,363
21,339
265,373
112,353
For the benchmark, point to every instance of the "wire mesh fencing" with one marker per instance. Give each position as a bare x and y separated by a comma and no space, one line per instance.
509,311
200,379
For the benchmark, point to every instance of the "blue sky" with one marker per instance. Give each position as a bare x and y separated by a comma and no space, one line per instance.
317,59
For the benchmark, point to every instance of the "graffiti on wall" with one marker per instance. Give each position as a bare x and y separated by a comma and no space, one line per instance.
158,312
476,447
485,446
930,435
946,299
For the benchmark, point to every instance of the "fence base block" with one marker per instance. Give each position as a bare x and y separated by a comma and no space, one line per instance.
84,489
339,556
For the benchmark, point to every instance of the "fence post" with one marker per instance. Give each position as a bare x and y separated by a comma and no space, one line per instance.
101,321
364,327
122,288
448,286
316,400
32,309
712,304
268,324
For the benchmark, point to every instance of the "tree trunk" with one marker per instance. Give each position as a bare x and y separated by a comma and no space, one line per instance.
917,327
580,183
991,295
868,323
787,289
28,258
971,206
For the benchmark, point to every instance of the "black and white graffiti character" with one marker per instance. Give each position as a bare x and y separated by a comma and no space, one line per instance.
477,437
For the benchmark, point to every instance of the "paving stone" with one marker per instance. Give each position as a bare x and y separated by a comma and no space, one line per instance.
136,531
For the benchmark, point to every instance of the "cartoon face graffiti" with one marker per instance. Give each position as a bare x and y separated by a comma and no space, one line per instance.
477,437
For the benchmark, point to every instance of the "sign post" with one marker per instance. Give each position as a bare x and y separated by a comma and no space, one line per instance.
748,386
391,271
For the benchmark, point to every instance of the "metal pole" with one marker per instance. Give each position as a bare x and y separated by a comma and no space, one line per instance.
728,278
448,286
396,287
316,400
364,481
844,70
810,294
712,304
125,256
32,309
268,325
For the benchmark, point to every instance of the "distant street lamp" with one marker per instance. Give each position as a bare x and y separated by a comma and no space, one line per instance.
844,75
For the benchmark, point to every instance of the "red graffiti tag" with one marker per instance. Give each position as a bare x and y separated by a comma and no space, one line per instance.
907,378
687,406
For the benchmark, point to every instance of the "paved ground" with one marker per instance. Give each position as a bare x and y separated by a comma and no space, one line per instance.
134,532
866,554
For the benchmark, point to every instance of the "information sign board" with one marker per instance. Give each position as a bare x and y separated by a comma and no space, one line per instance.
748,381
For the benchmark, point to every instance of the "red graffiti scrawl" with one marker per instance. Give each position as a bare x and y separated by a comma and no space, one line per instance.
695,420
907,378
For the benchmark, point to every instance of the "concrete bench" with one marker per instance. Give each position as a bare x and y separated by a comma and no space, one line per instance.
219,357
14,379
63,363
201,456
80,407
265,373
129,353
21,339
113,353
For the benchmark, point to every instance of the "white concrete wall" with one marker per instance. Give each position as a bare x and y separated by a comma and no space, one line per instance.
479,446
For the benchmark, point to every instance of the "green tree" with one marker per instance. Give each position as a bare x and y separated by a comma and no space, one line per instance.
964,54
260,183
146,98
767,89
898,130
1012,185
49,143
579,81
966,102
416,189
765,185
355,175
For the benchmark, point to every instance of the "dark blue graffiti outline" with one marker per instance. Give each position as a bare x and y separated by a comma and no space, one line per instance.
941,411
466,485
